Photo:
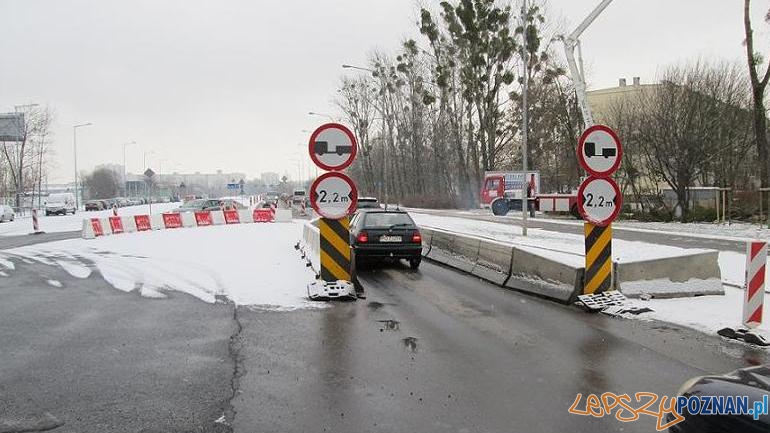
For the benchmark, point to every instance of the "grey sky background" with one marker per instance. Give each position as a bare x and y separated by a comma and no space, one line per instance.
227,84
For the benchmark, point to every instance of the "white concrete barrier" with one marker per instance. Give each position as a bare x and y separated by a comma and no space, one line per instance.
687,275
283,215
538,271
494,261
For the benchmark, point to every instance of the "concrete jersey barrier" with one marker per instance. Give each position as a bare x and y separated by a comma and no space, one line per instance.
689,275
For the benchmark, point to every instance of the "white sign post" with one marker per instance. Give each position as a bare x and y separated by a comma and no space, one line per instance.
599,151
332,147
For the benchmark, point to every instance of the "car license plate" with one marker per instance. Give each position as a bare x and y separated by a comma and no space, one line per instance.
387,238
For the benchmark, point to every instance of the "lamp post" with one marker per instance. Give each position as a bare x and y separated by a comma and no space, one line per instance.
125,189
313,113
75,151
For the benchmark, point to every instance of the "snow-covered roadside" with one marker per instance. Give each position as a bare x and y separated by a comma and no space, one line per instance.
66,223
705,313
251,264
736,231
546,242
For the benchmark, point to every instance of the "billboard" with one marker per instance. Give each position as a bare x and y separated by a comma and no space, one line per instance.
11,125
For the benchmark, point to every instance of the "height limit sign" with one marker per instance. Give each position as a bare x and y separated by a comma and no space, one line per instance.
334,197
599,201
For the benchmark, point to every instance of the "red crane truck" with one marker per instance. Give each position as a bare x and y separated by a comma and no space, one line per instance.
502,192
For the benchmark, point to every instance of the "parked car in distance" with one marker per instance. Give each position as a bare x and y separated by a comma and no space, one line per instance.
228,203
200,205
8,213
94,205
751,382
368,203
380,235
60,204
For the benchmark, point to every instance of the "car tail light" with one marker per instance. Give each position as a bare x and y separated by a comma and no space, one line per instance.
362,238
417,238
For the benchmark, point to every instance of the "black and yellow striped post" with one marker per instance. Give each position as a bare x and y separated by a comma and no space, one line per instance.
335,249
598,275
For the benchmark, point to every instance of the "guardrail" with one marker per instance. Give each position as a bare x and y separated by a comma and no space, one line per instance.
311,237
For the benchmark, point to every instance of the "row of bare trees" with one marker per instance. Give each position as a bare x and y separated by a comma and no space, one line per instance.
431,119
447,107
23,163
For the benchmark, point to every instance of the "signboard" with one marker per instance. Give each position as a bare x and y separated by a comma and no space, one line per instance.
333,195
149,173
599,200
332,147
599,151
233,186
11,125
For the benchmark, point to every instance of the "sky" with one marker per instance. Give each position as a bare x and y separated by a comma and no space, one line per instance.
206,85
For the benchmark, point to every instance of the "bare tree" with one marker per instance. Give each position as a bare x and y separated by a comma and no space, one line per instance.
758,86
20,156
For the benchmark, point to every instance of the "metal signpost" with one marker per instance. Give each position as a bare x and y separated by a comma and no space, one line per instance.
599,201
334,197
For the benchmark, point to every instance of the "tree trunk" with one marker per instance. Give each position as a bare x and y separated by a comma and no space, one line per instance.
760,132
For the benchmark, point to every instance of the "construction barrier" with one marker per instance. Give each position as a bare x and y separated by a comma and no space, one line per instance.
116,225
35,223
231,216
553,274
756,260
142,223
670,277
203,218
282,215
94,227
263,215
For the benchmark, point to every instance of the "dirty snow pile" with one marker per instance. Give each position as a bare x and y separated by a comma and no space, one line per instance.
251,264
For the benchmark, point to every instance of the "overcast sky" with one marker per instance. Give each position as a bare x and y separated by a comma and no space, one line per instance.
227,84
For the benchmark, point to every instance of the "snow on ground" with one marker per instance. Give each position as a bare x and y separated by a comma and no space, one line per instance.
704,313
66,223
736,231
251,264
546,242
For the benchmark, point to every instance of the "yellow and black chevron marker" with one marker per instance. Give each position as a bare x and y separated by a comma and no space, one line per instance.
598,275
335,249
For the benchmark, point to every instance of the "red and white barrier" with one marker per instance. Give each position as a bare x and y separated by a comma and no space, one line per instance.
756,260
95,227
35,223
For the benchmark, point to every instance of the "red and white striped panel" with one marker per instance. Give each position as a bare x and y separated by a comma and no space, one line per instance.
756,259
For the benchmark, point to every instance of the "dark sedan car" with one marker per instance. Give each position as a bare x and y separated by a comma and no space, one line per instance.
379,235
751,383
94,205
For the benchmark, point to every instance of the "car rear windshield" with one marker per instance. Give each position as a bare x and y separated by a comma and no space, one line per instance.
387,219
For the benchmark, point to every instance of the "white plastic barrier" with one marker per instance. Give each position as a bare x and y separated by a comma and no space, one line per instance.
106,226
129,224
245,216
156,221
282,215
188,219
217,217
311,237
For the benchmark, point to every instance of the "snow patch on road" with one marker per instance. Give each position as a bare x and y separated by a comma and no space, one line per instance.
54,283
4,262
251,264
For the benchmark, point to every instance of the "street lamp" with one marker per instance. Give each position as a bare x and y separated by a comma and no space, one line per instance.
75,151
312,113
357,67
125,190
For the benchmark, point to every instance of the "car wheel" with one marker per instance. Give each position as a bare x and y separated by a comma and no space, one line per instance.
500,207
13,217
415,263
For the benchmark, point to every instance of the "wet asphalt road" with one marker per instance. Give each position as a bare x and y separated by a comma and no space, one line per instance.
438,351
432,350
664,238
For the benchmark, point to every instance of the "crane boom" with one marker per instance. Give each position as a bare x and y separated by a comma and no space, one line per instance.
570,42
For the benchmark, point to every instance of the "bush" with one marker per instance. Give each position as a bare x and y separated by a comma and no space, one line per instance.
654,215
701,214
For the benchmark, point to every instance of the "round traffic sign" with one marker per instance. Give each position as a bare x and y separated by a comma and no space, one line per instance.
332,147
599,200
599,151
333,195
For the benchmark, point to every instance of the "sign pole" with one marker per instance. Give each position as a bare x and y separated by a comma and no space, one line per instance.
599,201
